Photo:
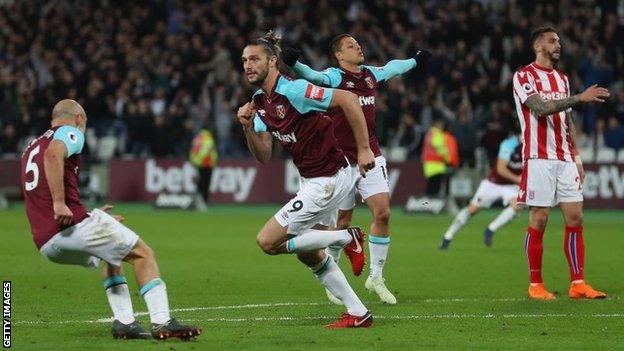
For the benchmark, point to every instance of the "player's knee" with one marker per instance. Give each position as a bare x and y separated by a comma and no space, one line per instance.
382,215
344,220
141,251
343,223
266,245
149,253
539,222
575,219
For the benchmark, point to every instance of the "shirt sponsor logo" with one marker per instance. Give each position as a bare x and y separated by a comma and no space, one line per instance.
366,100
369,82
553,95
285,138
314,92
280,110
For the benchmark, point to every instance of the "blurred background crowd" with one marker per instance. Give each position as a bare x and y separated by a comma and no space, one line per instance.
150,74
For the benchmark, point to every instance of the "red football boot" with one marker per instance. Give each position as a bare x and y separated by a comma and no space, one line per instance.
351,321
355,250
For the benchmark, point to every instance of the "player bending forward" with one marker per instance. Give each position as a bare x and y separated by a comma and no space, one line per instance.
66,233
291,111
352,75
552,173
500,184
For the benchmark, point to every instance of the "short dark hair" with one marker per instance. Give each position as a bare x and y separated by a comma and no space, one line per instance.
270,43
537,32
335,42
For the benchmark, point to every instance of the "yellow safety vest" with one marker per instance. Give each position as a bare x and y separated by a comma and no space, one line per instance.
203,151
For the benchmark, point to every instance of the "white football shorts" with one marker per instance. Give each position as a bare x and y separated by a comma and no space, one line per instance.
97,237
317,199
488,192
546,183
376,182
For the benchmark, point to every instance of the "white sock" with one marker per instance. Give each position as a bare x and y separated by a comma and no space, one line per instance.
330,275
118,295
378,250
459,221
313,239
503,218
154,293
334,252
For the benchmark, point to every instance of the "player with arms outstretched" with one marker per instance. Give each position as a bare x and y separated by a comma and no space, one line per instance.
352,75
501,184
291,111
552,173
65,233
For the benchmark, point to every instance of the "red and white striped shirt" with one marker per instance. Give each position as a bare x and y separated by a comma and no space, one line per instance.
544,137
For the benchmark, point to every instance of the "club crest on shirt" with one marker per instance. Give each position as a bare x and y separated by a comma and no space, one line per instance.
280,110
369,82
350,84
527,87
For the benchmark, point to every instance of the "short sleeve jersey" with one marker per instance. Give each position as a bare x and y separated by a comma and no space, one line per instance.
35,189
510,150
294,113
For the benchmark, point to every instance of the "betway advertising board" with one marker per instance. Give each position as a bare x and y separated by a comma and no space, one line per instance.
247,181
233,181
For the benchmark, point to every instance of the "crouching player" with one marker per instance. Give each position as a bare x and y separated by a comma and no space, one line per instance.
66,233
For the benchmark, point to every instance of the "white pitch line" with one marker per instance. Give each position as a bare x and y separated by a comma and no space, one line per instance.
397,317
288,304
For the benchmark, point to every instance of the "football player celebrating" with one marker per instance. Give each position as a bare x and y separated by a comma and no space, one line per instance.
291,111
352,75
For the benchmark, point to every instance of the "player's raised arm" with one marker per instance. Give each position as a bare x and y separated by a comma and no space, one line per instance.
54,165
349,104
397,67
543,107
259,141
329,78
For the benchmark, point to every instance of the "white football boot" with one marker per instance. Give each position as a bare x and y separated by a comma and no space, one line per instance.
333,299
378,286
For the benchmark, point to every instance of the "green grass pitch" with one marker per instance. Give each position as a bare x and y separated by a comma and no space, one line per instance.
470,297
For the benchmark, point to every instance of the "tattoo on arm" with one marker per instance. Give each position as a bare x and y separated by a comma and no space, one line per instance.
546,107
571,129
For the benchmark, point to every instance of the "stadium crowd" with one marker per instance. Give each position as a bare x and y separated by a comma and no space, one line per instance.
150,74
